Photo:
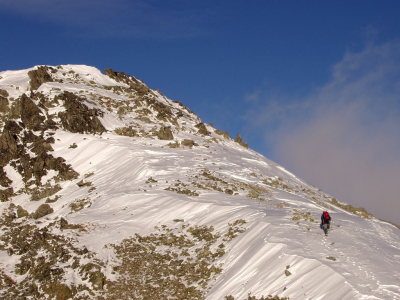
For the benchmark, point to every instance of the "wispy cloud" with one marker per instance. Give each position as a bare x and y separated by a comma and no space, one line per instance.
345,136
138,18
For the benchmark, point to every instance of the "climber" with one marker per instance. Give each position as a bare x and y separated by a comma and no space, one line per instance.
325,222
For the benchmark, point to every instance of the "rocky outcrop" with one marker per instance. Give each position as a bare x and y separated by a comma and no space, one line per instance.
120,76
165,133
202,129
224,134
38,77
240,142
133,83
13,145
79,118
31,115
164,112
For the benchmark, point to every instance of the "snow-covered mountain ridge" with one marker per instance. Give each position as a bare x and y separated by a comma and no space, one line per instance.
110,190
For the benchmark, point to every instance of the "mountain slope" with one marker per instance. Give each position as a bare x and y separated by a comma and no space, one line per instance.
110,190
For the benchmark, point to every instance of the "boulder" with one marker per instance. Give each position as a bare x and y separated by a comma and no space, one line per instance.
42,211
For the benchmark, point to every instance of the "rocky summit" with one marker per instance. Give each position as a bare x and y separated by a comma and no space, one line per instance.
110,190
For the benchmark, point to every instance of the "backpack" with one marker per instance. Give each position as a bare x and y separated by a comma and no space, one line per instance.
326,215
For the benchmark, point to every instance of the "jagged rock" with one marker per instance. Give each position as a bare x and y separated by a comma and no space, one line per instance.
8,148
202,129
58,164
21,212
31,114
4,105
12,127
39,144
133,82
79,118
224,134
165,133
238,139
42,211
183,106
63,223
38,77
4,180
24,163
119,76
164,112
15,110
240,142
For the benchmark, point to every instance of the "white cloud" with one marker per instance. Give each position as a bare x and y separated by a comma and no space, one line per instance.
345,136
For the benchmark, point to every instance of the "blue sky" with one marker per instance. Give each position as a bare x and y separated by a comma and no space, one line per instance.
312,85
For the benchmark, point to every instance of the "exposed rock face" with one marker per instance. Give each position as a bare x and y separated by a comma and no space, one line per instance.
79,118
38,77
31,115
12,127
133,83
4,105
15,139
15,109
8,148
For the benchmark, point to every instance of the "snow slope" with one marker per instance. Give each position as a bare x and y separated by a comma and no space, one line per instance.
360,259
